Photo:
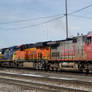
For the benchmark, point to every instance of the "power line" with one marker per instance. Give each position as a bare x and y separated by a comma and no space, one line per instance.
51,20
79,10
26,20
84,17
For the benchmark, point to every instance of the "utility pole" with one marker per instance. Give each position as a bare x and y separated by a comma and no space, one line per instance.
66,19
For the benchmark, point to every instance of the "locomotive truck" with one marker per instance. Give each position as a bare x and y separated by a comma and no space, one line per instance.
70,54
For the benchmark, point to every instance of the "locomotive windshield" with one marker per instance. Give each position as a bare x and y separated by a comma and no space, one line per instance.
88,40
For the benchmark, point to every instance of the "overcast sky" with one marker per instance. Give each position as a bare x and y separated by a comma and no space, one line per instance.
18,16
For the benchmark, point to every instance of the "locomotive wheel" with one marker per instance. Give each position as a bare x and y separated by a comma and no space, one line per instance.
87,71
80,67
34,66
19,65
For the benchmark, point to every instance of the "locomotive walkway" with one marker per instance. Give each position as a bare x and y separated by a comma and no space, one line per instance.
48,83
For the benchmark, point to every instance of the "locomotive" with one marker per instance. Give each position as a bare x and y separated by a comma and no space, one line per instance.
70,54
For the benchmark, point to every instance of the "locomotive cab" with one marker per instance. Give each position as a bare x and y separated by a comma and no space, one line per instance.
88,47
88,40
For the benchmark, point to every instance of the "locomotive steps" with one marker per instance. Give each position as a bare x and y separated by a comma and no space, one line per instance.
45,83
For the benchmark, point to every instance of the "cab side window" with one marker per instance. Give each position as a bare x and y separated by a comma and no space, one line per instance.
88,40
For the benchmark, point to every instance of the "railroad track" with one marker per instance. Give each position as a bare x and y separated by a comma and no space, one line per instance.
43,83
48,73
25,70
